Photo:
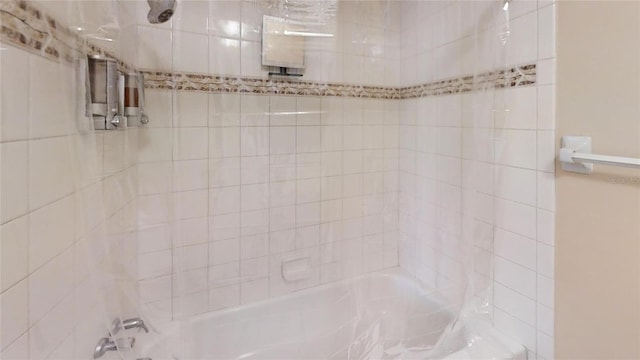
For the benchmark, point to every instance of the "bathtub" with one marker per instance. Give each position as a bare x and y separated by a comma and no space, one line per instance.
376,316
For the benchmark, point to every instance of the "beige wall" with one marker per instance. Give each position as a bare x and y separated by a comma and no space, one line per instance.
598,215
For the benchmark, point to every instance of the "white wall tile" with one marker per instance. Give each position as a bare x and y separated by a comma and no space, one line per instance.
515,277
254,197
190,52
254,246
522,45
19,349
49,332
14,250
546,32
255,169
282,140
48,82
49,285
155,49
519,105
546,72
14,93
224,297
193,16
251,59
50,172
159,107
254,222
222,18
154,178
14,184
190,143
516,148
154,145
545,291
224,110
546,151
190,175
517,305
14,304
449,110
224,172
546,191
515,217
308,139
252,291
224,251
190,204
191,109
546,227
223,227
189,258
254,141
545,319
224,142
154,264
515,248
154,209
525,333
51,230
546,258
510,182
545,346
224,55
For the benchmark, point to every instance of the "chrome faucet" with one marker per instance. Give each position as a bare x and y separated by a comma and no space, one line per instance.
128,324
105,344
135,323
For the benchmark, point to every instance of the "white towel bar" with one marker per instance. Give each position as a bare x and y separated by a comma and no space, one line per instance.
575,156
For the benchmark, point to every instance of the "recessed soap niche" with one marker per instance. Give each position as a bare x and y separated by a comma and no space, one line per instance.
114,100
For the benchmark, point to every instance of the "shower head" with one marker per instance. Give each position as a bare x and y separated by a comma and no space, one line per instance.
160,10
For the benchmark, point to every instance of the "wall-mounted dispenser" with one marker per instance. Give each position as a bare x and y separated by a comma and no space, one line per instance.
106,90
134,99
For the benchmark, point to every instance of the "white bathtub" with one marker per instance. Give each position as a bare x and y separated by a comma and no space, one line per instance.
377,316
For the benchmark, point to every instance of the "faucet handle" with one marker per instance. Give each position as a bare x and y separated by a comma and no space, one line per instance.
135,323
128,324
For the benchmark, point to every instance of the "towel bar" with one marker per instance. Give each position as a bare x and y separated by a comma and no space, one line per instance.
575,156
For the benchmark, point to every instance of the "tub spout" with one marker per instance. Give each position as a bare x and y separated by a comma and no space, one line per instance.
105,344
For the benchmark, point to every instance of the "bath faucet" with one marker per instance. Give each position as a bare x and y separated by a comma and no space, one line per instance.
129,324
105,344
134,323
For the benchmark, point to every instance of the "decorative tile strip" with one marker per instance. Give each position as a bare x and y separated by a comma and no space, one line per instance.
512,77
23,25
251,85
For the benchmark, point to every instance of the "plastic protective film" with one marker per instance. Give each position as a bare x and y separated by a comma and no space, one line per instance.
344,214
82,182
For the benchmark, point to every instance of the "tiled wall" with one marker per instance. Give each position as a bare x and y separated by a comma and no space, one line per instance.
224,37
52,218
256,180
67,211
229,185
478,168
244,182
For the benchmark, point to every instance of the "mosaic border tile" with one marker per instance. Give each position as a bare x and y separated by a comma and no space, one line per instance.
25,26
266,86
511,77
